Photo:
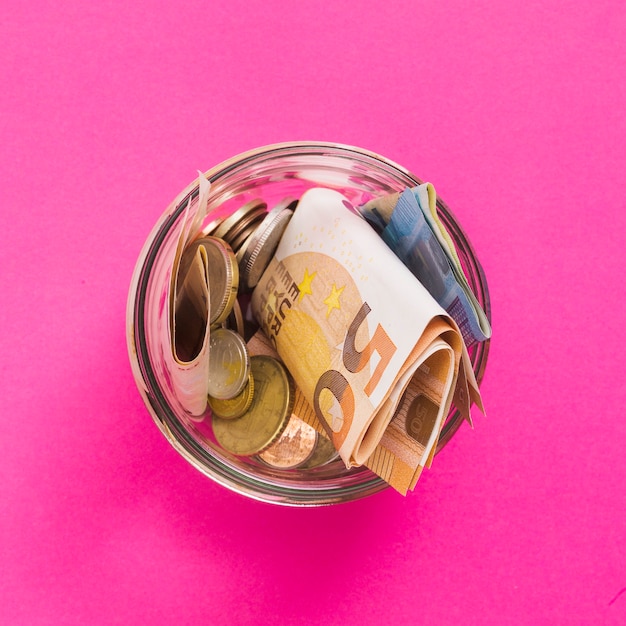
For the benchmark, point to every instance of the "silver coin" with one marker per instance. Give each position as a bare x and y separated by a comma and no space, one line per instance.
254,256
229,364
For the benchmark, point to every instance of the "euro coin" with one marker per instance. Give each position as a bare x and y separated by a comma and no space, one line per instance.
224,230
223,279
254,256
232,408
229,364
268,414
242,235
294,447
245,226
324,453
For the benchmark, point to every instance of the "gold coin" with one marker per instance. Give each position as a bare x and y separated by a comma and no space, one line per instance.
293,447
254,256
232,408
229,364
246,224
268,414
245,233
230,222
223,280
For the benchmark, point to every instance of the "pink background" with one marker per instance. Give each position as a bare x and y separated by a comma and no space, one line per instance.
516,114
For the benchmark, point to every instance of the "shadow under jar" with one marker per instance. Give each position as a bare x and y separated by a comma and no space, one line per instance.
271,173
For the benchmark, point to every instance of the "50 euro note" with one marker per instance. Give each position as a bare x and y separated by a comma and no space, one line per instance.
353,326
409,224
183,324
400,456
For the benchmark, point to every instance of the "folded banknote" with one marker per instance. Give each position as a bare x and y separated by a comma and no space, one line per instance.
408,223
356,329
183,325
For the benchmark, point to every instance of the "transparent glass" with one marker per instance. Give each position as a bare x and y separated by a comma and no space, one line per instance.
271,173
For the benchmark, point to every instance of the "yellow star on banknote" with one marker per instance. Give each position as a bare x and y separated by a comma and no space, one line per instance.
272,301
305,285
332,302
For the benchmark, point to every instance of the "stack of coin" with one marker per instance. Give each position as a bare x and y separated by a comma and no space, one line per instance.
257,249
241,224
250,228
229,362
198,301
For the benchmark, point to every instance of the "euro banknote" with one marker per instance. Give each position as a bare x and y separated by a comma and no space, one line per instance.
409,224
353,325
399,457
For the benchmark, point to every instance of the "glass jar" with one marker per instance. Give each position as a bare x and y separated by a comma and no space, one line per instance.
271,173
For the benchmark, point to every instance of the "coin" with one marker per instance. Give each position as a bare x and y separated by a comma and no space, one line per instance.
232,408
268,414
245,233
223,230
223,279
293,447
229,364
324,453
245,225
254,256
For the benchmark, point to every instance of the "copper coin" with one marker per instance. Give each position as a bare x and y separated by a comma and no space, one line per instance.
293,448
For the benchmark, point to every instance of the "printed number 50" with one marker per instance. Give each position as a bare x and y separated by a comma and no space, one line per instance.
354,361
